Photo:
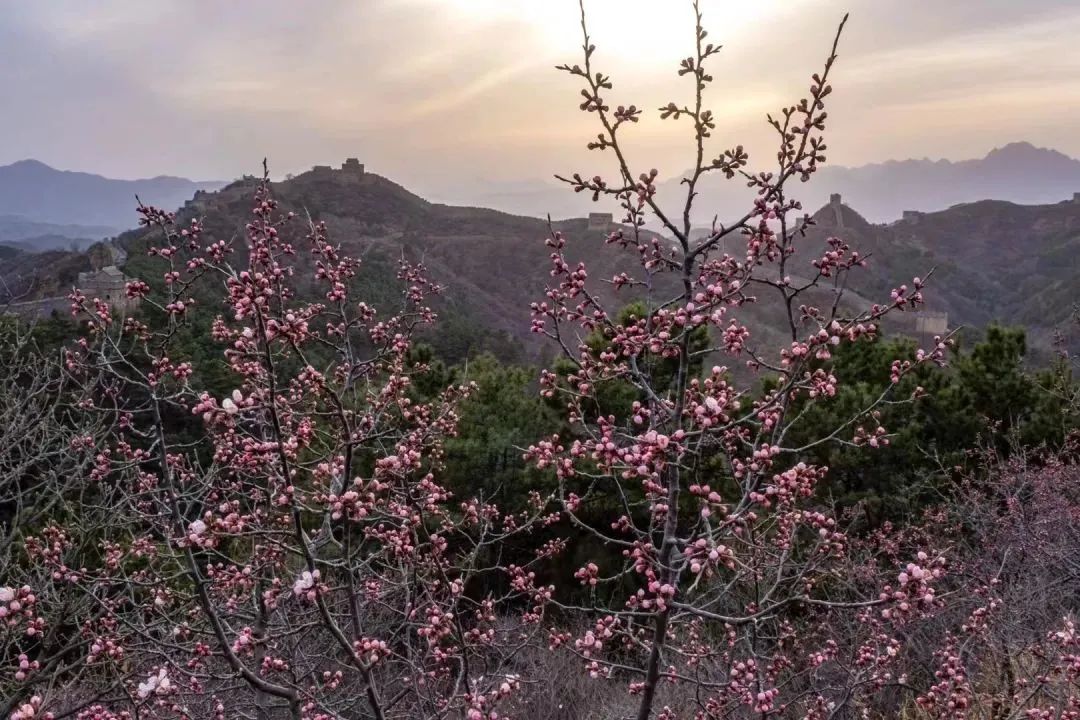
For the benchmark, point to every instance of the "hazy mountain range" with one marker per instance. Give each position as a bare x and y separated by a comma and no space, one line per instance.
39,203
43,208
1018,172
35,235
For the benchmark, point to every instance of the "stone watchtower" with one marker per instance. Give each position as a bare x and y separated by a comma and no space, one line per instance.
931,323
353,166
105,281
600,221
108,284
838,209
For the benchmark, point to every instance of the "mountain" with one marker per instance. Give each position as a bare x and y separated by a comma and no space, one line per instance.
1019,173
993,260
35,192
493,264
36,275
34,235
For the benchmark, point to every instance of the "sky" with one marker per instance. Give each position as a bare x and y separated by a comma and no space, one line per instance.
445,95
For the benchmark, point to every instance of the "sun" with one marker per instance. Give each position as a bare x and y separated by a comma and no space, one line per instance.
630,31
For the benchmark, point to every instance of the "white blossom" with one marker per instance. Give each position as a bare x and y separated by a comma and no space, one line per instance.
305,582
156,683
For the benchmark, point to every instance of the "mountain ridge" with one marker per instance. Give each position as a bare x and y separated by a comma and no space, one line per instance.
1018,171
35,192
996,260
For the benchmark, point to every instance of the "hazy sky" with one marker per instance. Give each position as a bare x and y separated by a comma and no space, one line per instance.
438,94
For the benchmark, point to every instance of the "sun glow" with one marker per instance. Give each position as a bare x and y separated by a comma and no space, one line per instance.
630,31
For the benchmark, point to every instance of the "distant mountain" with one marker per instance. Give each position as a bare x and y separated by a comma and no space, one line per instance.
37,236
35,192
45,243
1019,173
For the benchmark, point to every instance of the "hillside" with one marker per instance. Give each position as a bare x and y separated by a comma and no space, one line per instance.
493,264
36,275
994,260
